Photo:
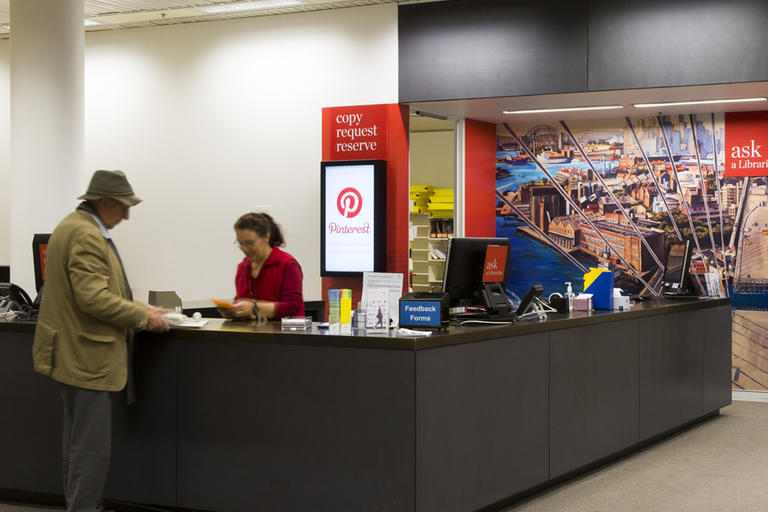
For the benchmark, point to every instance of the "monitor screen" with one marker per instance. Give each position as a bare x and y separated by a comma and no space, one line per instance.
464,265
39,248
677,267
353,217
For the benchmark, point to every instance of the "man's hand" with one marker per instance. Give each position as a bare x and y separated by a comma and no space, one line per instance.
156,321
151,308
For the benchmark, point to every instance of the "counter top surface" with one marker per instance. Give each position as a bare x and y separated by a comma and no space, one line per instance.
219,330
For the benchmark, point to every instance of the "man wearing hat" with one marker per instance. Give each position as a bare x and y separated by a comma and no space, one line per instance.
85,330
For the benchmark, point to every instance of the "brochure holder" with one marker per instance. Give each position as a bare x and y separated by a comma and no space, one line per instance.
599,282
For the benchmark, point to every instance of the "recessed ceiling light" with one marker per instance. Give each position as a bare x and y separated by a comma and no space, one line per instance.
247,6
570,109
698,102
86,23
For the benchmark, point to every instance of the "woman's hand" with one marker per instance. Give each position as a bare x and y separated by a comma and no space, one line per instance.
242,308
226,312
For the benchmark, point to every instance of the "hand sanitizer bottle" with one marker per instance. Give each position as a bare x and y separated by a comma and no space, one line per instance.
569,295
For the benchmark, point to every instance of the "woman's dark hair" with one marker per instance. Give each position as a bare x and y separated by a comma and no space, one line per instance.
261,224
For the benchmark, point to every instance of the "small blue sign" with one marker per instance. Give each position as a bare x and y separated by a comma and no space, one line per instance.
420,313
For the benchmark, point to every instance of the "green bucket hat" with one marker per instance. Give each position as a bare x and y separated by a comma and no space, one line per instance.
112,184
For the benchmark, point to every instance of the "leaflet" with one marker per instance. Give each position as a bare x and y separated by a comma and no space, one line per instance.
392,282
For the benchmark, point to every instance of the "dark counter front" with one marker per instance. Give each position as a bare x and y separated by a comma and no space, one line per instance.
233,417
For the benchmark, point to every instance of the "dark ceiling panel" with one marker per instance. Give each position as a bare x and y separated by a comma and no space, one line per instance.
487,48
662,43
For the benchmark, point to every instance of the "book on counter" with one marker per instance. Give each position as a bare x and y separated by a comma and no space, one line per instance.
345,311
340,311
334,310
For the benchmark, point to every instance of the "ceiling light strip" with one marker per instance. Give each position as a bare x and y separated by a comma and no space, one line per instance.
247,6
86,23
696,102
570,109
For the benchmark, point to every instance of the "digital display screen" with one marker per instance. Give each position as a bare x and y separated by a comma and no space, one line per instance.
353,216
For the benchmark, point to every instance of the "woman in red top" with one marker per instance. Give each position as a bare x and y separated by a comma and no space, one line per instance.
268,280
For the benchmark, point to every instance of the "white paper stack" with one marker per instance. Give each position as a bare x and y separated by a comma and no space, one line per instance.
296,322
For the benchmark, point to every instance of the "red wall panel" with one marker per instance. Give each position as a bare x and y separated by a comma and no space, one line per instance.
479,178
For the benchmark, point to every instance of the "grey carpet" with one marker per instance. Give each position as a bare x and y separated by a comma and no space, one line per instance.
718,466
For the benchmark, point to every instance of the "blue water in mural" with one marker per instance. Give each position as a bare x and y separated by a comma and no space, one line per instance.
533,262
751,302
523,173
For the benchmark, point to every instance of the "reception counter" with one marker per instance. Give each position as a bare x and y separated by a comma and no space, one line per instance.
234,417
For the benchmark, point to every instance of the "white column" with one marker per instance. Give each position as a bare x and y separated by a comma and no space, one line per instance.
459,200
47,112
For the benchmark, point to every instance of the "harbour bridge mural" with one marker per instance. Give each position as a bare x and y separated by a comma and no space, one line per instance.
614,193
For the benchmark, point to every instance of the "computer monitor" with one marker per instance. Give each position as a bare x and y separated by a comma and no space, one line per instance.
676,269
463,276
39,248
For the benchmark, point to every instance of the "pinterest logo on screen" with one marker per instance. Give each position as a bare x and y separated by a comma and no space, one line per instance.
349,202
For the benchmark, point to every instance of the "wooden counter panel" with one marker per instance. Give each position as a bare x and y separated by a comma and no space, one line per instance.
670,371
593,393
295,428
716,365
144,433
30,428
482,422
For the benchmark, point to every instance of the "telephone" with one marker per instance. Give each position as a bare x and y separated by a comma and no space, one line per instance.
15,303
495,299
15,293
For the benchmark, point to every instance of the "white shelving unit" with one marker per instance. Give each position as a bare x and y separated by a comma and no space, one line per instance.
429,245
420,252
433,158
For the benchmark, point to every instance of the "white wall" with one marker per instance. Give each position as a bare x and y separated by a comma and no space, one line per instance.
210,120
433,158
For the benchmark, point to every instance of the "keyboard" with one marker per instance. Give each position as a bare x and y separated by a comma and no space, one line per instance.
682,296
485,319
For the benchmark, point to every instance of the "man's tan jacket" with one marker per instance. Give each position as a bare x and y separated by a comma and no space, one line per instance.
81,331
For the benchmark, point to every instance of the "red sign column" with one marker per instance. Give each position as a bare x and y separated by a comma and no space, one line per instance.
373,132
